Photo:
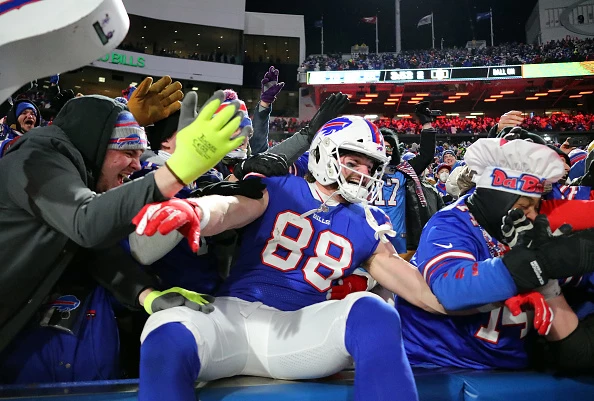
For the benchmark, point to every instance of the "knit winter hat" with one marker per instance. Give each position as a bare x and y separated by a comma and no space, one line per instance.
576,155
127,134
448,152
24,106
230,95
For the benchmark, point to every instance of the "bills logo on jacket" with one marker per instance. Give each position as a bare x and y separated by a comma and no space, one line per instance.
525,183
66,303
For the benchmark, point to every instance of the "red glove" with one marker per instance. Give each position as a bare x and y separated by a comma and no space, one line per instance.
346,286
543,314
174,214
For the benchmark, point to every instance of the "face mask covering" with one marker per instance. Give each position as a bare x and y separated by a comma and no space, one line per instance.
443,177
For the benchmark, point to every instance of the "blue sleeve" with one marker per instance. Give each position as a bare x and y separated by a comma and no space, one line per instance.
299,168
577,170
259,141
452,267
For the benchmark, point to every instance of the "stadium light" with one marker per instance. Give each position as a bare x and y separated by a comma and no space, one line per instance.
371,95
422,94
389,103
453,114
462,93
396,95
412,102
496,96
574,96
470,117
403,115
449,101
555,90
416,98
506,92
364,100
541,94
370,117
362,103
454,97
586,93
478,113
532,98
490,100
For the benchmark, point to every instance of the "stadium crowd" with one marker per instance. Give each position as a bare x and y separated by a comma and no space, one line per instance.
505,54
557,121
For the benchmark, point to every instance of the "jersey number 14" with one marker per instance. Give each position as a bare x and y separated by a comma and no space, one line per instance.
284,252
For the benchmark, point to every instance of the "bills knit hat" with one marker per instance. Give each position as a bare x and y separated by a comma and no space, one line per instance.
127,134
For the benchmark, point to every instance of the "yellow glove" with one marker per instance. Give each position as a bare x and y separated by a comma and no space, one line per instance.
150,102
203,143
160,300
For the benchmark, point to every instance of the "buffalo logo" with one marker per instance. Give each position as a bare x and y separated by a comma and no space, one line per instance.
338,124
525,183
66,303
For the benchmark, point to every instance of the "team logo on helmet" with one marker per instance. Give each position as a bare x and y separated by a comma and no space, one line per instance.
338,124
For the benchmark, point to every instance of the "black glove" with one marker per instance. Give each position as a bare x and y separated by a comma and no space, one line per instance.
267,164
331,108
558,257
424,114
447,199
514,223
250,188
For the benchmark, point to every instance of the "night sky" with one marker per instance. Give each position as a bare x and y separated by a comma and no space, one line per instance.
454,21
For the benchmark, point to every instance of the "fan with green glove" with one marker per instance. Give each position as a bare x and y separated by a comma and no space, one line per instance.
207,139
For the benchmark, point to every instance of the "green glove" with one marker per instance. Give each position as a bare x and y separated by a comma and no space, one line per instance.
203,143
160,300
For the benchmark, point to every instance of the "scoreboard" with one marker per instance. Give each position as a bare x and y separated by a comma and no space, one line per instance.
451,73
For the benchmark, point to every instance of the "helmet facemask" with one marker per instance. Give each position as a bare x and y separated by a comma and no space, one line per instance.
366,187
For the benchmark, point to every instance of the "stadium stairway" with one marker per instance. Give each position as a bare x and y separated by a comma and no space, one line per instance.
447,384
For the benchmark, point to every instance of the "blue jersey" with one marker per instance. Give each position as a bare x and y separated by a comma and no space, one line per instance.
568,192
300,167
392,200
460,262
288,261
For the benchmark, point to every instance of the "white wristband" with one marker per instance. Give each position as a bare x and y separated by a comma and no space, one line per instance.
205,211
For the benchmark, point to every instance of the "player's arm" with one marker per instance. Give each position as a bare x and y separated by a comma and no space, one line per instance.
228,212
403,279
206,216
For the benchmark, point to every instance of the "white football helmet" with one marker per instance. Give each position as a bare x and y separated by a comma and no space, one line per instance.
348,134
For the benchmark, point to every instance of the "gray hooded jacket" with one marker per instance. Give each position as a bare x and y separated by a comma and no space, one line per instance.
48,208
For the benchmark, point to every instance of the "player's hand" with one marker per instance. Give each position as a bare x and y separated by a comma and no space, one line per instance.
203,143
165,217
157,301
513,224
512,118
251,188
543,314
346,286
267,164
330,109
153,102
